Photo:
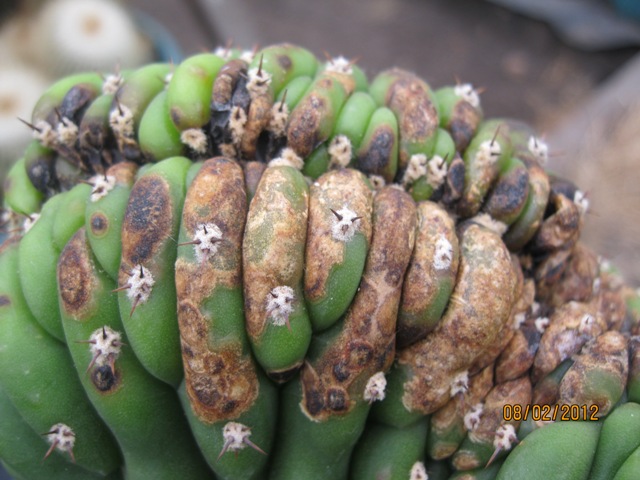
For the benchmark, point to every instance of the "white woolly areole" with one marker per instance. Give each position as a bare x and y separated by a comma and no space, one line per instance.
472,417
259,81
235,436
539,149
61,437
581,201
237,121
519,319
541,324
340,151
345,224
121,121
67,132
45,134
460,383
102,184
491,223
167,78
375,388
488,152
416,168
195,139
206,239
535,308
340,65
248,55
289,158
418,472
505,437
223,52
280,304
279,118
443,254
105,345
468,94
436,171
112,83
30,221
140,284
587,324
377,181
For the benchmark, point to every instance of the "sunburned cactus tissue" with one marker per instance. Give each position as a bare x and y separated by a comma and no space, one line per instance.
256,264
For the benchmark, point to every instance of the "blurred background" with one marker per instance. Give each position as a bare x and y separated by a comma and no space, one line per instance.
569,67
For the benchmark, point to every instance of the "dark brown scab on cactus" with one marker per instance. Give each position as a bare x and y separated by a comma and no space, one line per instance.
147,223
305,122
464,122
105,379
76,276
374,160
409,98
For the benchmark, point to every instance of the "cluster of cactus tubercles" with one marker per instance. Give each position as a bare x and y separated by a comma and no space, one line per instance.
259,265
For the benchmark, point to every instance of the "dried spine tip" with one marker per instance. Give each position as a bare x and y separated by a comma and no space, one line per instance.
345,224
539,149
236,437
105,344
62,438
237,121
375,388
436,171
112,83
288,158
67,132
488,152
340,64
195,139
581,201
416,168
102,184
460,383
443,255
121,120
468,94
259,81
418,472
280,305
205,240
472,417
340,151
279,118
541,324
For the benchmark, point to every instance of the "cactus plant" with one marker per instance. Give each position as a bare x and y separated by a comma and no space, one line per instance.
257,265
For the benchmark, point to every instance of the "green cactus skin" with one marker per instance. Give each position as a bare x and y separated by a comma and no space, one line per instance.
354,118
19,193
158,136
149,229
35,374
378,151
119,387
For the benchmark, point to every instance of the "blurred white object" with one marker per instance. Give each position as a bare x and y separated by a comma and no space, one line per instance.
20,88
77,35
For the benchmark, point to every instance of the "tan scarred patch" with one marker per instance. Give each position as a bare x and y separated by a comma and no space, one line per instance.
274,241
463,124
479,307
76,277
336,189
258,118
409,97
220,377
366,345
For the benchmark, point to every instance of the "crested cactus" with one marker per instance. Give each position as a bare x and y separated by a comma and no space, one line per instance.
259,265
